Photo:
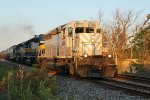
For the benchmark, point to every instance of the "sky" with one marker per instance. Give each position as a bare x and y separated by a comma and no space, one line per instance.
20,20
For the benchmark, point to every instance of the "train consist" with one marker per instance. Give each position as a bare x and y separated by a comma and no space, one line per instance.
75,48
26,52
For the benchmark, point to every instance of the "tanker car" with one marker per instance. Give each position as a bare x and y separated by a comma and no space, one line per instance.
76,48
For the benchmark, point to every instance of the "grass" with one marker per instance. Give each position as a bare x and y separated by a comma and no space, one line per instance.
33,84
30,84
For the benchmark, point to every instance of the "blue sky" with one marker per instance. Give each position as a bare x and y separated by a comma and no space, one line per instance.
19,18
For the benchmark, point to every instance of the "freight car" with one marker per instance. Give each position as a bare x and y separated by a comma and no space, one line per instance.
76,48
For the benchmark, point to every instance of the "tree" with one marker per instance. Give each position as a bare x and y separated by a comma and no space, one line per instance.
119,31
141,42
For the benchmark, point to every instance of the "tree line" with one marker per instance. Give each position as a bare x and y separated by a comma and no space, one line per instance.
126,38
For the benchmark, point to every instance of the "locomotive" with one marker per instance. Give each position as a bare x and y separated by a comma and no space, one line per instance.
75,48
25,52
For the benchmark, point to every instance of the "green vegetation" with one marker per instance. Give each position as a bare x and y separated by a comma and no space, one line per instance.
141,49
142,70
141,44
139,70
27,85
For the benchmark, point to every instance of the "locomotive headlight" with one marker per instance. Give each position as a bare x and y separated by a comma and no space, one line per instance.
85,55
100,68
92,38
109,56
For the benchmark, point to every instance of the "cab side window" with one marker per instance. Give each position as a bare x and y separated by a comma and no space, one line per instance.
70,31
43,51
40,53
63,34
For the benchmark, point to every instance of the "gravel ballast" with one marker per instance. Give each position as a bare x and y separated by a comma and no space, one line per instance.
70,88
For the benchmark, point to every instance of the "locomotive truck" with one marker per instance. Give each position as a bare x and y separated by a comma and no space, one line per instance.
76,48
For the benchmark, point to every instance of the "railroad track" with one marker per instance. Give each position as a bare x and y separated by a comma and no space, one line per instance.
133,78
128,88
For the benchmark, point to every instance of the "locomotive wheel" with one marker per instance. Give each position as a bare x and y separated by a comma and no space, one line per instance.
76,75
109,71
82,71
67,71
72,70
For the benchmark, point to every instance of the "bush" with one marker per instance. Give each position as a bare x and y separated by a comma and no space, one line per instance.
1,74
141,70
27,85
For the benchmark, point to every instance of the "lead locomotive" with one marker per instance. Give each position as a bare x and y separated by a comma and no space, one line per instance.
76,48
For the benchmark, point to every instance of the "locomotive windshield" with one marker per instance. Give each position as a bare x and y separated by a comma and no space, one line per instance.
89,30
84,30
79,30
